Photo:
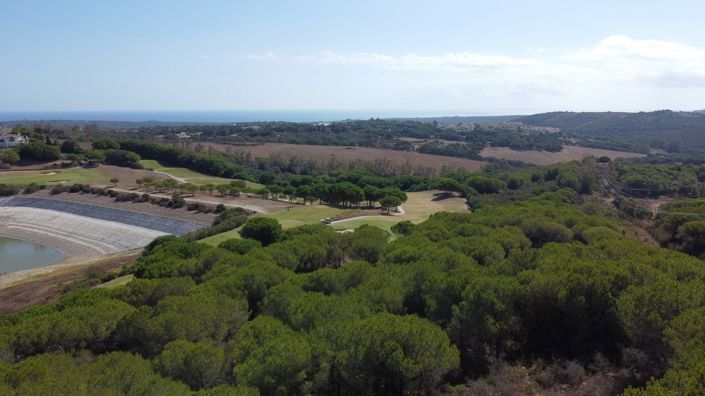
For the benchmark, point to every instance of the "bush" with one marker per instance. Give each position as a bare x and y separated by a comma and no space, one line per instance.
70,147
240,246
403,228
263,229
8,190
123,158
59,189
176,201
32,188
9,156
38,151
105,144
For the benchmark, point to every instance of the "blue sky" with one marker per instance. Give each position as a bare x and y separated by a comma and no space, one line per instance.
408,57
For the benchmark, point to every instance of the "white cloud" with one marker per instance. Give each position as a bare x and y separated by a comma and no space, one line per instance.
265,56
650,62
615,57
412,61
618,71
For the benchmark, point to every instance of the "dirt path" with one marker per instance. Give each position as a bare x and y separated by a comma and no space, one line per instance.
182,180
400,212
254,204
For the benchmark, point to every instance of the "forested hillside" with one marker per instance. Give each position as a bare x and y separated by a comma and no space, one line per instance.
667,130
456,305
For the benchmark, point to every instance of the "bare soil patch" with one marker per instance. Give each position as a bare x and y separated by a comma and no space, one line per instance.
140,207
47,286
323,154
543,158
128,177
243,201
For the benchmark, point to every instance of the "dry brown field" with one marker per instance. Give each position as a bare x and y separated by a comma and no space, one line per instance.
323,154
543,158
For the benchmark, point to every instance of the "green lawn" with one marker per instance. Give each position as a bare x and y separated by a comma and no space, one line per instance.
418,208
288,218
215,240
70,176
301,215
190,176
381,222
121,281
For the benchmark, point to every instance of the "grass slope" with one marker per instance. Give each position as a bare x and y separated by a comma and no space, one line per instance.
70,176
419,207
188,175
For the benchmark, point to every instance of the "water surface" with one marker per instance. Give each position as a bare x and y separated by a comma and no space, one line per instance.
17,255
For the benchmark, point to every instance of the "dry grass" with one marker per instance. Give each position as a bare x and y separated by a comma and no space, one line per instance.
543,158
419,207
48,284
323,154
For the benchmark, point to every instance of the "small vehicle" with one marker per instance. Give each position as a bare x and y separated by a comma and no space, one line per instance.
327,220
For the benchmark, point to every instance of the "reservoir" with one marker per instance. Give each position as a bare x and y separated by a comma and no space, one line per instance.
18,255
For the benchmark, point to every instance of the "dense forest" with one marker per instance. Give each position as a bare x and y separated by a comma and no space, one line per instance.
455,305
681,225
648,180
665,130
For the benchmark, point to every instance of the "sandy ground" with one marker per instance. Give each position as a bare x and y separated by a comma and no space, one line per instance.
75,236
399,212
323,154
22,289
258,205
128,177
543,158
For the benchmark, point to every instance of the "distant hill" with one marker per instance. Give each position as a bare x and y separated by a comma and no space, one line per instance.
482,120
664,129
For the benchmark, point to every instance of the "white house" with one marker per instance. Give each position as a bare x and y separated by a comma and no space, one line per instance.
9,139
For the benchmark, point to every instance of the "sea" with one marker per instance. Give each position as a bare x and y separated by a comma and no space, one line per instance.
198,116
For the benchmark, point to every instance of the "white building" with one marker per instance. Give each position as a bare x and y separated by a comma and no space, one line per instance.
8,139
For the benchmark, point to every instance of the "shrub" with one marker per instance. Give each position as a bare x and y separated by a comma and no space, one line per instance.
8,190
263,229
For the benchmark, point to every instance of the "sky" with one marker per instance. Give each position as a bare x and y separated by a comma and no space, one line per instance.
441,57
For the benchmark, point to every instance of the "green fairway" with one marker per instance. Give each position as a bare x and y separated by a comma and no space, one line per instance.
418,208
69,176
384,223
117,282
288,218
216,240
301,215
190,176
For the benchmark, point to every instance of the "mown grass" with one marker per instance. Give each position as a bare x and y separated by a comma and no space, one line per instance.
69,176
419,207
288,218
217,239
190,176
120,281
